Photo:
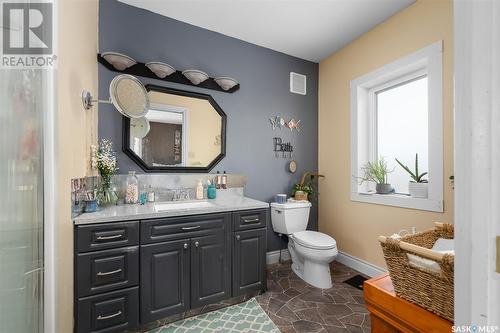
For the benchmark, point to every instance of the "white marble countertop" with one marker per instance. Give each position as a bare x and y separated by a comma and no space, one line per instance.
223,203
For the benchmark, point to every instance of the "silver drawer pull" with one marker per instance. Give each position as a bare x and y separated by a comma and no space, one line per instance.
250,220
191,228
110,316
109,273
109,237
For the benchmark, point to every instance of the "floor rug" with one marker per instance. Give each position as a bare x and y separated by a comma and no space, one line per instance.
356,281
246,317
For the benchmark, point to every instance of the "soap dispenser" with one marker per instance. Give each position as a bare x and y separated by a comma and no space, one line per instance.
199,190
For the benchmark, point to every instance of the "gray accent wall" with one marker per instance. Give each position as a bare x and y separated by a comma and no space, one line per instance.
264,93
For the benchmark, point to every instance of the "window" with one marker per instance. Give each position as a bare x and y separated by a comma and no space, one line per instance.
402,131
396,112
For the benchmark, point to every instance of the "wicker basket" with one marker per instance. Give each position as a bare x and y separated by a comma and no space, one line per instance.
428,289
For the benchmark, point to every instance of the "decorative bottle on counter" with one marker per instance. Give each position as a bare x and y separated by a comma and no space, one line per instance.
217,180
211,191
132,190
223,181
151,194
199,190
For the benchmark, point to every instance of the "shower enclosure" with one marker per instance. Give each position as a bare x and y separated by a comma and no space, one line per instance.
23,103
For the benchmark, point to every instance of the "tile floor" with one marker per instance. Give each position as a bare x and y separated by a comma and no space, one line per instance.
295,306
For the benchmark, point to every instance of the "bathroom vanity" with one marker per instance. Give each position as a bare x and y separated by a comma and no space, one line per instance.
135,265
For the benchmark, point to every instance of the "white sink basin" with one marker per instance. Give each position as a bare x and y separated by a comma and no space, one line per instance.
181,205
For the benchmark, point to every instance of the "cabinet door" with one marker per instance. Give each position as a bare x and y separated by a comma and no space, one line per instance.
210,273
249,261
164,279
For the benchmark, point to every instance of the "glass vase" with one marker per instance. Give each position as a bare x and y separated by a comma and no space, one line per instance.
106,193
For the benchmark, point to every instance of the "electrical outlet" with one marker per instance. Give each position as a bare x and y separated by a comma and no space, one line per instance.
498,254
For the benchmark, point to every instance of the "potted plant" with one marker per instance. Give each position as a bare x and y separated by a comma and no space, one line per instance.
306,188
418,185
104,160
377,172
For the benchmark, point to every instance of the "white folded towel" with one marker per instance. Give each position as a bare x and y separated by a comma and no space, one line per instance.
442,245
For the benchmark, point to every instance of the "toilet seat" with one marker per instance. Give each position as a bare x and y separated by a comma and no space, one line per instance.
314,240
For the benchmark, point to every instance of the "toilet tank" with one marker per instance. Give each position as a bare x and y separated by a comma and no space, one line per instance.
290,217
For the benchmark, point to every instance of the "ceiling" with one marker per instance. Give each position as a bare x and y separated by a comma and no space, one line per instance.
308,29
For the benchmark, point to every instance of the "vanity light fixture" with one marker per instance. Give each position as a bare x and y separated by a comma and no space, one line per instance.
127,94
161,69
225,82
195,76
118,60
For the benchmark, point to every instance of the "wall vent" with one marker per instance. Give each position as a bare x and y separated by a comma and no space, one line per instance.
298,83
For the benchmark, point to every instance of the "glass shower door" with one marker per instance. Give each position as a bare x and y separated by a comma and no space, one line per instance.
21,200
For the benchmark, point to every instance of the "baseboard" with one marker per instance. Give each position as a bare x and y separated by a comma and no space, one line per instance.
359,264
344,258
274,256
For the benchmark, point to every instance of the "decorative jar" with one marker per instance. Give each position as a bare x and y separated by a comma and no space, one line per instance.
132,189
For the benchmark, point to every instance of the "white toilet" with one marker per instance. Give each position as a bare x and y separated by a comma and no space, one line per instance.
311,251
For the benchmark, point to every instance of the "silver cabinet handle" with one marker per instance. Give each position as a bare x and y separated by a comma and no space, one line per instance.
186,245
191,228
196,244
109,273
250,220
237,237
109,237
109,316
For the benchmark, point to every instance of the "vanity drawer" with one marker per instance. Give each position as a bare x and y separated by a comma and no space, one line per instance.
107,270
159,230
115,311
250,219
106,236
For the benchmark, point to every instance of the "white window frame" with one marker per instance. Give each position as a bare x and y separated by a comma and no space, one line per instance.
426,61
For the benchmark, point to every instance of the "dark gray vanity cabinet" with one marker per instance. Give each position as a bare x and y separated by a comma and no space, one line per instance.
128,274
249,252
107,277
188,271
165,276
210,269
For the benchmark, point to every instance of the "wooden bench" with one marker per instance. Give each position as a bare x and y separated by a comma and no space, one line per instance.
391,314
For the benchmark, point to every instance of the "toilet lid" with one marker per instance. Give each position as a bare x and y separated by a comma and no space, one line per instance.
314,240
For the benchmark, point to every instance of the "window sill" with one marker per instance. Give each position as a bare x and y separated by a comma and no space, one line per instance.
399,200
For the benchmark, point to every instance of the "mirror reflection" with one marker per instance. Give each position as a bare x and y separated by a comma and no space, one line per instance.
180,129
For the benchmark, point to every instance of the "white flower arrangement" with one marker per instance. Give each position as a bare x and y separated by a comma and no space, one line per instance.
103,158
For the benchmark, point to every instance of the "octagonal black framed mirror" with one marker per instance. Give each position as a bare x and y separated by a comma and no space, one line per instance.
183,131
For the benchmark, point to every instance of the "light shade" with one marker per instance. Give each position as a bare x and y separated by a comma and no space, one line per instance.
118,60
160,69
195,76
226,83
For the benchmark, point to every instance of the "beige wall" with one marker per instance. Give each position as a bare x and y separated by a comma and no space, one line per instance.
77,129
356,225
204,124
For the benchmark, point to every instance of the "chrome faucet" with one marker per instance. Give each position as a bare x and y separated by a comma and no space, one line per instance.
180,194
